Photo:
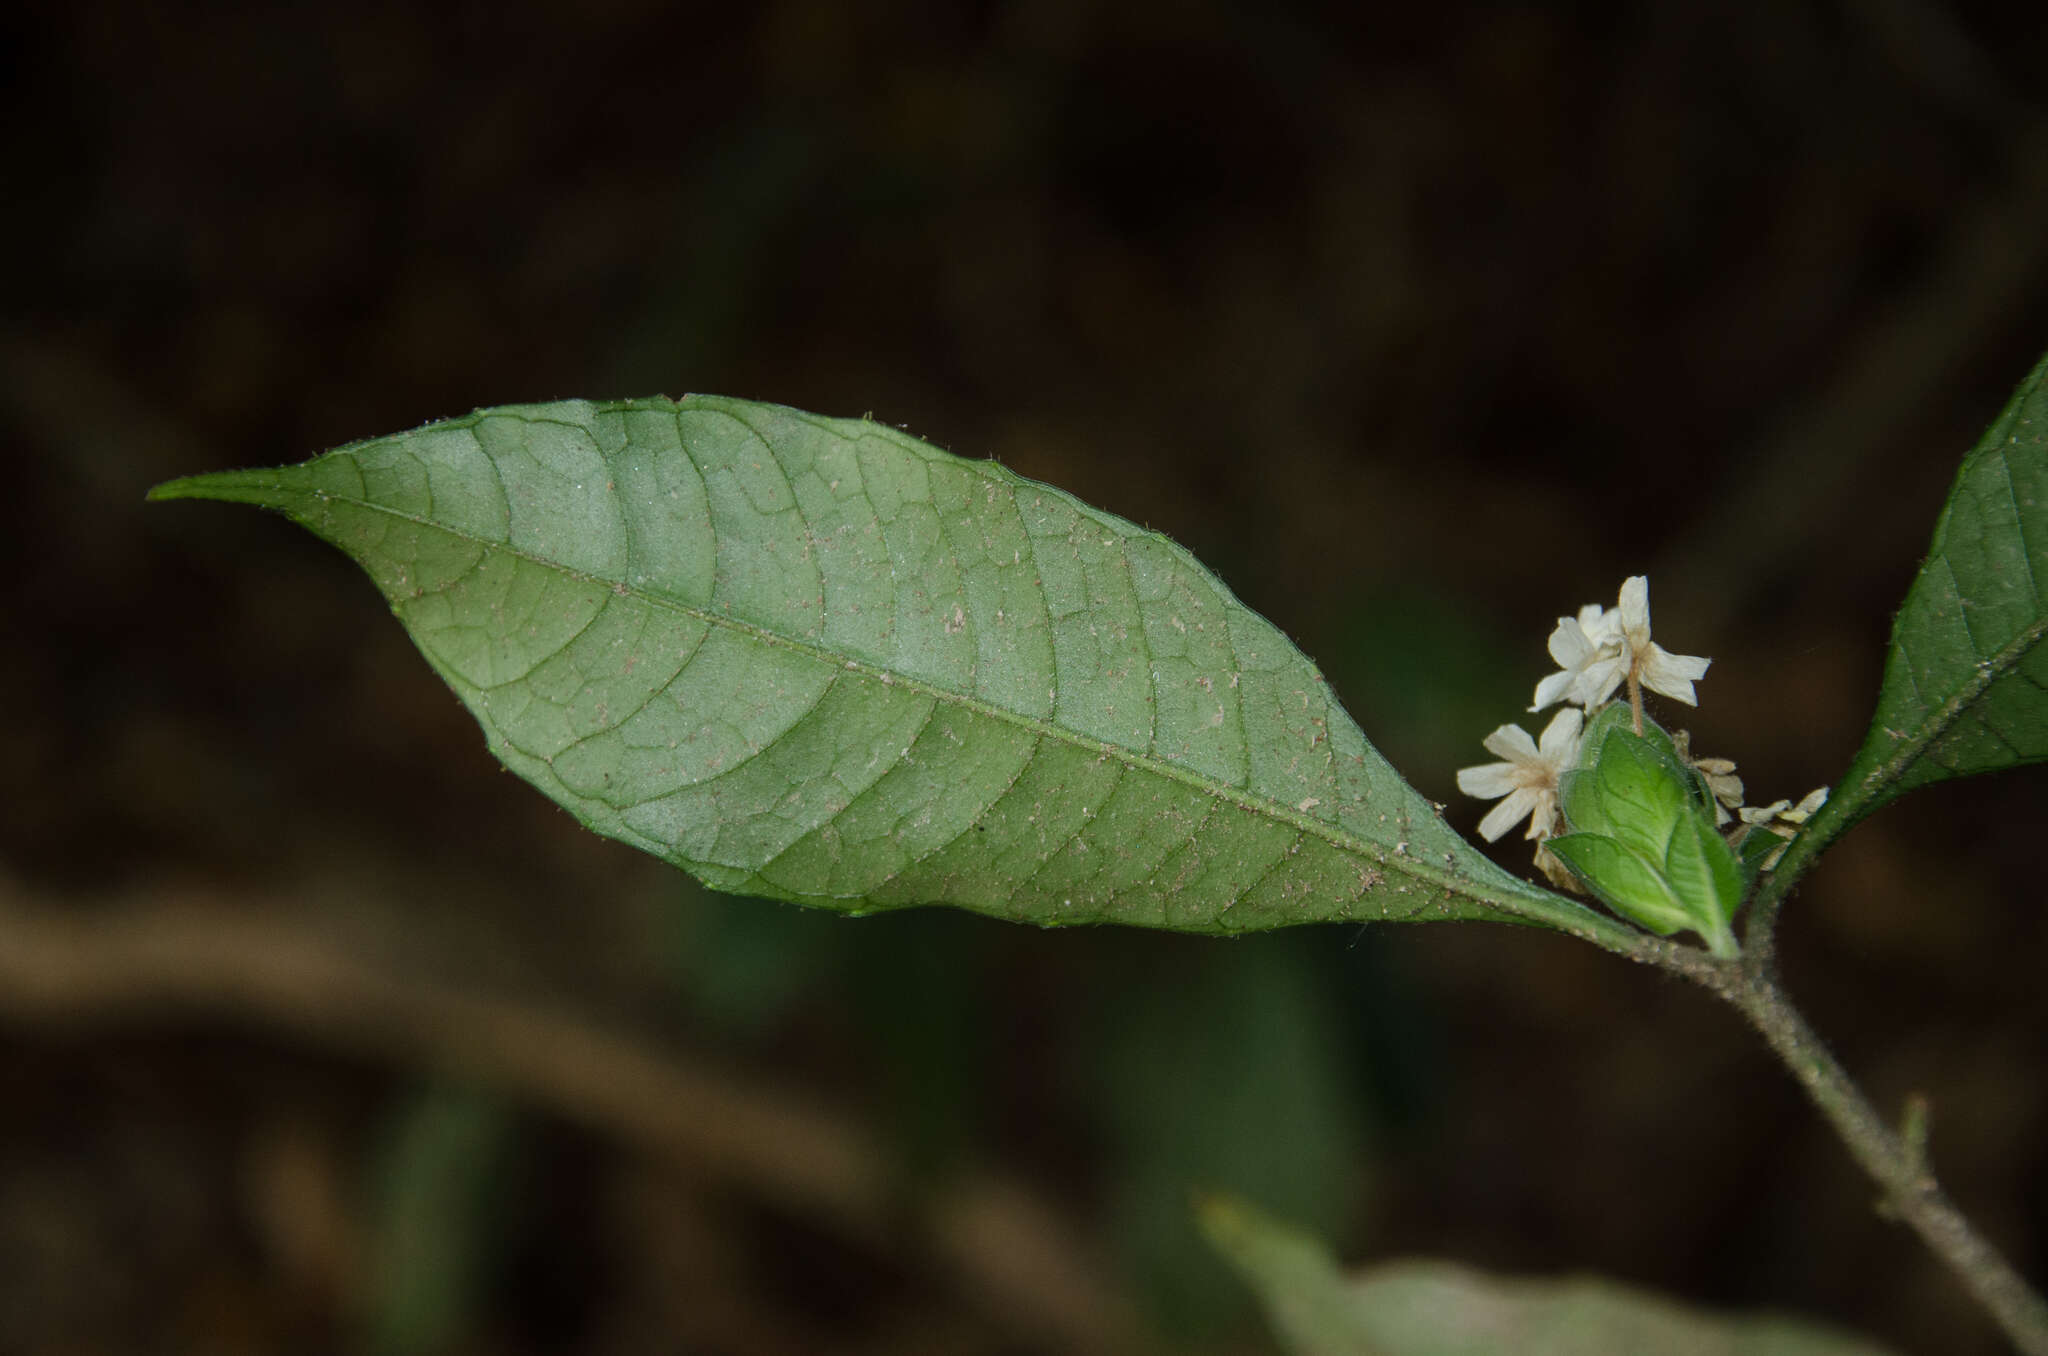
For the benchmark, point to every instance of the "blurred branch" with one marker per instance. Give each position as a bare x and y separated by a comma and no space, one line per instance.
1986,275
136,962
1937,56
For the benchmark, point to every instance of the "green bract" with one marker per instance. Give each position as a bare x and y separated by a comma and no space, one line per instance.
819,660
1643,838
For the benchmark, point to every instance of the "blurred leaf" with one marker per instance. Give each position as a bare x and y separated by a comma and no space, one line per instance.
1425,1308
822,661
920,986
744,964
438,1210
1248,1089
1966,682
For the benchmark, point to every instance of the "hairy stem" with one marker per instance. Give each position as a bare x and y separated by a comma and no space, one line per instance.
1897,1162
1759,935
1896,1159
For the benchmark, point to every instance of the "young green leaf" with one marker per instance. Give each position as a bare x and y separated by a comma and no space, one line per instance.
1600,792
1643,838
1616,718
1641,793
819,660
1966,682
1628,882
1706,876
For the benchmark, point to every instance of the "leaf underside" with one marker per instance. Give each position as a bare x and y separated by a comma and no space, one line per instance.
1966,681
821,661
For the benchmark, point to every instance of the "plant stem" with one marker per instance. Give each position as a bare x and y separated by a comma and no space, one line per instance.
1759,934
1897,1164
1896,1161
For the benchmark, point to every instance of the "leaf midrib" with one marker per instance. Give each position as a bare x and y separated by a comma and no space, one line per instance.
1270,809
1945,716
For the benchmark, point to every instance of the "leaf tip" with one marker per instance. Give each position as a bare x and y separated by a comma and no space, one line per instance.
184,487
227,487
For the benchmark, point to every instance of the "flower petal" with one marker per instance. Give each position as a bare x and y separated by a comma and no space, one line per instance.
1552,689
1762,814
1560,743
1808,803
1487,780
1507,814
1634,604
1511,742
1672,674
1569,644
1599,681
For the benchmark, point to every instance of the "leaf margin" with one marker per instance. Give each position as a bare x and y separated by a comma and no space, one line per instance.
1499,893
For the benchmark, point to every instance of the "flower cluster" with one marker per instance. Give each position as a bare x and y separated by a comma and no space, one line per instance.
1602,654
1597,652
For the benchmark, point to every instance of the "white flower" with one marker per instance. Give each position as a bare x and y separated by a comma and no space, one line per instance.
1601,648
1654,666
1529,776
1589,654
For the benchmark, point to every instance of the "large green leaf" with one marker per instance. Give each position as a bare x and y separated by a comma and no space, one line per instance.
819,660
1966,683
1429,1308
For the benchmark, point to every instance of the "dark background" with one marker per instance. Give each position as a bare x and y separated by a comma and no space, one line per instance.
1421,325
